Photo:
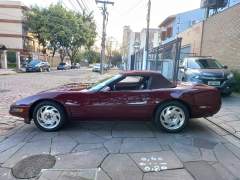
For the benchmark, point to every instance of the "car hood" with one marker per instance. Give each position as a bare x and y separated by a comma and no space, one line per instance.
217,73
80,87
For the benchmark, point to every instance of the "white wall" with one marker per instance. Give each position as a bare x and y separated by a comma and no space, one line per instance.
13,43
11,28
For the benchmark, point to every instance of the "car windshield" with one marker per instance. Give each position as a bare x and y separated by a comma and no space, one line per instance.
98,86
34,62
204,64
62,64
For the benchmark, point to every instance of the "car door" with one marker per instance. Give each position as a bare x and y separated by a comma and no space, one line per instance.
129,104
88,105
130,99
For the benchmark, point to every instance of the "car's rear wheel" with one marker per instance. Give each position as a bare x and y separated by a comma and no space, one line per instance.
49,116
172,116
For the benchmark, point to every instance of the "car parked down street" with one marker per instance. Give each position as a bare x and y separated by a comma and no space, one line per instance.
37,66
64,66
206,70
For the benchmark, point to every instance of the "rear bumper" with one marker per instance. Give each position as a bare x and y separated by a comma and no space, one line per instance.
206,103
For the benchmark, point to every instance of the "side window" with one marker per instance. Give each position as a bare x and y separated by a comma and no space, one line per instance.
132,83
192,64
131,79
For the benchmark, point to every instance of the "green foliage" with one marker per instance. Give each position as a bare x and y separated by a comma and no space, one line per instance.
237,78
59,29
89,55
11,57
92,56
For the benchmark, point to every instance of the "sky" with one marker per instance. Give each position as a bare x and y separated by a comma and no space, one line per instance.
127,12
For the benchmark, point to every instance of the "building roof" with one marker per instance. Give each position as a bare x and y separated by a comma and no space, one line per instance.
167,21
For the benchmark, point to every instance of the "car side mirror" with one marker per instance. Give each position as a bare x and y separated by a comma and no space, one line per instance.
183,68
225,67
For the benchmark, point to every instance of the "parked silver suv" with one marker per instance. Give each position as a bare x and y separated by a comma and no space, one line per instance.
206,70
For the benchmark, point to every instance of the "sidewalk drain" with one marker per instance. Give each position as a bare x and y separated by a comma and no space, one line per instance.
31,166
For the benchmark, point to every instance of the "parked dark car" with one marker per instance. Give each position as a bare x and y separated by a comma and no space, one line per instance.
63,66
37,66
209,71
134,95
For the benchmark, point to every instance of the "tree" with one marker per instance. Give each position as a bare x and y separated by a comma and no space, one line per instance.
37,24
61,30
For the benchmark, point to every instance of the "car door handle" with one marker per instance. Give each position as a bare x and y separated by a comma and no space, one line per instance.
138,103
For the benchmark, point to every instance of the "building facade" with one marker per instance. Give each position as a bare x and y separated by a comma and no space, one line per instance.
134,42
218,36
175,24
13,33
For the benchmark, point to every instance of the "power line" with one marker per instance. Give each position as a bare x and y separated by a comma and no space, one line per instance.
80,5
85,6
132,8
73,5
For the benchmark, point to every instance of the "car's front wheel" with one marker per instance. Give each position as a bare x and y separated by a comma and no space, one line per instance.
49,116
172,116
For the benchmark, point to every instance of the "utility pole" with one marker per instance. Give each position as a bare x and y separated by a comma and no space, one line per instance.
147,33
103,44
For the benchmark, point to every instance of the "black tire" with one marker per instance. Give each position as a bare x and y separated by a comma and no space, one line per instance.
162,107
60,109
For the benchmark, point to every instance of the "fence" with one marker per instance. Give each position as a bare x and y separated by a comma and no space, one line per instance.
164,59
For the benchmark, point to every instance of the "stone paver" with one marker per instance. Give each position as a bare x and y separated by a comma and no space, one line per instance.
228,159
197,168
178,174
5,174
140,145
131,130
156,161
121,167
228,117
81,160
186,153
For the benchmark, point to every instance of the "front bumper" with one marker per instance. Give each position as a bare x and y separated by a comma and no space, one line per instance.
36,69
20,111
226,85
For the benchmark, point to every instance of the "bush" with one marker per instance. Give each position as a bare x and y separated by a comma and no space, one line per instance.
237,78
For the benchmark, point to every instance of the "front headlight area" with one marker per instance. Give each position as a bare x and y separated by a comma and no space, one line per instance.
196,78
16,109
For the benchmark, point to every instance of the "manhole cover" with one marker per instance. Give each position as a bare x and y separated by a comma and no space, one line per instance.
31,166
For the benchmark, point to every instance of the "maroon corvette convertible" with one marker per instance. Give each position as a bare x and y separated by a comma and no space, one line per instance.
134,95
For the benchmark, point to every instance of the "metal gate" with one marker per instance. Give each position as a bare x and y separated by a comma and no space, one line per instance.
164,59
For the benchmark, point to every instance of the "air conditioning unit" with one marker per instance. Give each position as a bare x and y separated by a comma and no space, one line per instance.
213,4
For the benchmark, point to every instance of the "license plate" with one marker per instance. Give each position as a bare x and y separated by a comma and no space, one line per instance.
214,83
